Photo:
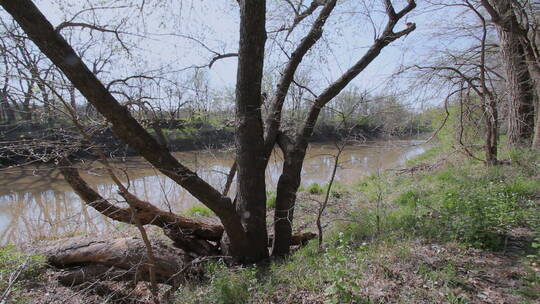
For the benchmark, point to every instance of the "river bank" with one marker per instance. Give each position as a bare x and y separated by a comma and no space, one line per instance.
442,229
33,142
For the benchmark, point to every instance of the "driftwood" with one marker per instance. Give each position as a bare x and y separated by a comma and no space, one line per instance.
122,259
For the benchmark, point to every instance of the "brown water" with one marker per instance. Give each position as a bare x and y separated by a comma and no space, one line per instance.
35,202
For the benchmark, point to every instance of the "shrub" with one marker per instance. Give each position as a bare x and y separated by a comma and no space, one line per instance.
472,204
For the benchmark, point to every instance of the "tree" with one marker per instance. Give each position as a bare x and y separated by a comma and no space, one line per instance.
244,219
516,50
472,74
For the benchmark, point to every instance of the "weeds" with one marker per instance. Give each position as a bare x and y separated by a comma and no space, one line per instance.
386,241
315,189
16,269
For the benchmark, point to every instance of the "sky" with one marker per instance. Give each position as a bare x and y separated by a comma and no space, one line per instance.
156,34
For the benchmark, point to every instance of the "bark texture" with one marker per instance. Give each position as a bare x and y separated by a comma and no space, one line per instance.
251,183
118,260
520,115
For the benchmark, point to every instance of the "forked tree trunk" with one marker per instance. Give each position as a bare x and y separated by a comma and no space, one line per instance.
245,219
520,116
251,185
193,237
295,149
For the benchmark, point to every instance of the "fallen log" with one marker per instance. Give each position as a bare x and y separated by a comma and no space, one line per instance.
122,259
125,259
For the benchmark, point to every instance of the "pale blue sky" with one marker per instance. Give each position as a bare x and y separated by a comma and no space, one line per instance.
215,22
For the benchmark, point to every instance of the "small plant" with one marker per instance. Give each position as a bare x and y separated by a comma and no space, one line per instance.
531,288
410,198
335,194
534,222
315,189
231,286
199,210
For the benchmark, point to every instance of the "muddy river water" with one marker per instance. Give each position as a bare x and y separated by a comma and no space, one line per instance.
36,203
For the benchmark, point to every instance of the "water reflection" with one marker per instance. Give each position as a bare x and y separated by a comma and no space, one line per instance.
35,202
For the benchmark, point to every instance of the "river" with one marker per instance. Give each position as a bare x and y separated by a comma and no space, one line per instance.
36,203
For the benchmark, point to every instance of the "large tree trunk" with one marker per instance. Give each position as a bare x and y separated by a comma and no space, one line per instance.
244,221
251,188
520,116
162,140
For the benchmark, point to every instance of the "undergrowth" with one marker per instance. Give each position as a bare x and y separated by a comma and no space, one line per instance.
17,271
392,238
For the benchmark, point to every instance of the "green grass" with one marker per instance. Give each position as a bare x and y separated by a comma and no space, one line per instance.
531,288
463,201
306,270
199,210
337,191
271,201
428,155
